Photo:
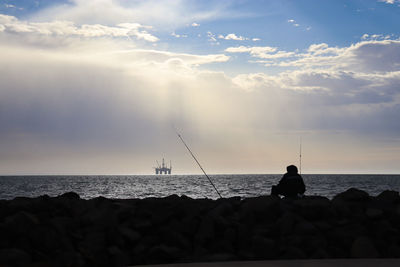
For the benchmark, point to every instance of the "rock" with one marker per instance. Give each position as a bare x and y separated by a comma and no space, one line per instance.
175,239
69,231
206,231
224,208
286,223
389,196
305,228
21,222
230,235
352,194
374,213
118,257
221,246
261,208
243,236
130,235
313,207
68,258
163,254
320,254
102,213
363,247
14,257
93,245
70,196
44,238
393,251
124,212
263,248
323,225
220,257
292,253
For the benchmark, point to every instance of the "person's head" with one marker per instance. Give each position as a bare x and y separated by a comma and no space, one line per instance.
292,169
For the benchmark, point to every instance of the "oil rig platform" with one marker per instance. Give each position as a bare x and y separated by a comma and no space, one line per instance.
163,169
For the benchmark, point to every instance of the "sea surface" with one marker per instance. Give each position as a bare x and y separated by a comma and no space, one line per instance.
195,186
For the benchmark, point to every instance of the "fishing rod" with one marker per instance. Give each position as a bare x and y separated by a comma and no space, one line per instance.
300,155
198,163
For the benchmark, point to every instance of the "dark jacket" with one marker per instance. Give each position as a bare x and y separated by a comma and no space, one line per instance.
291,185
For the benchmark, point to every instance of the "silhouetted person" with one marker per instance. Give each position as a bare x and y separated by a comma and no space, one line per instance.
291,185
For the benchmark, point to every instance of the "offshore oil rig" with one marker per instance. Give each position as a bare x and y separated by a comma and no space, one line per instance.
163,169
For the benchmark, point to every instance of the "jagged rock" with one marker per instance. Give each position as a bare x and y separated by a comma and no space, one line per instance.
70,196
363,247
352,194
389,196
69,231
14,257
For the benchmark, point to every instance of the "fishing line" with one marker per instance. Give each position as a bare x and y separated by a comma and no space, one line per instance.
198,163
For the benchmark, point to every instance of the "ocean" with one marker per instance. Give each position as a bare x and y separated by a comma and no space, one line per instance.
194,186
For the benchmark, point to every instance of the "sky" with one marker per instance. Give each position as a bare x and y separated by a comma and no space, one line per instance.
100,86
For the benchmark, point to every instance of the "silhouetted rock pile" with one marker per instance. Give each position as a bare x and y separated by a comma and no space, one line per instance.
70,231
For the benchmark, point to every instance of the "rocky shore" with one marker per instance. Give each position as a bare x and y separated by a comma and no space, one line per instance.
70,231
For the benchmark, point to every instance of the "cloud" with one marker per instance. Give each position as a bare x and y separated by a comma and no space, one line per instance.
165,15
146,56
255,39
82,90
375,37
178,35
11,24
232,36
94,104
293,22
74,103
389,1
264,52
212,38
365,56
194,24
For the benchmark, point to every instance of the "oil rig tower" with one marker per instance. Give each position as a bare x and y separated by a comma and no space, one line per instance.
163,169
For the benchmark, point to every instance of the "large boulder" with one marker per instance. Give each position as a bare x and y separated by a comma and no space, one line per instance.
389,196
313,207
264,208
352,194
